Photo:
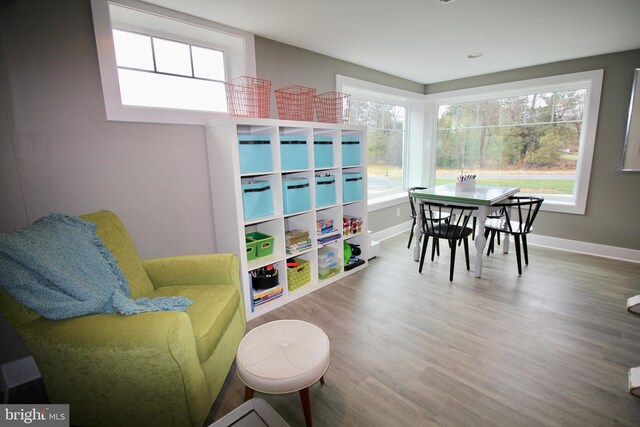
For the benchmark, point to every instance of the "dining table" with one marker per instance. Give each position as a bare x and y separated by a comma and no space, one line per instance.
485,197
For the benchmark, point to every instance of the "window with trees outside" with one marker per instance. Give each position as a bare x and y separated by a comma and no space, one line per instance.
386,135
536,140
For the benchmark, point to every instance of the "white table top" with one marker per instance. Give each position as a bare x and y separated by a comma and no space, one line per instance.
484,195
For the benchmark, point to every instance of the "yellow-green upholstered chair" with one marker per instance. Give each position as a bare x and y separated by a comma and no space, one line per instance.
158,368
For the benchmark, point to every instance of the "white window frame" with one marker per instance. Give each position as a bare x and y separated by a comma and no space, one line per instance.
589,80
412,155
238,60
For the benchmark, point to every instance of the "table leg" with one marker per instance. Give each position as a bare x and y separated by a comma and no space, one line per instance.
417,235
306,405
480,241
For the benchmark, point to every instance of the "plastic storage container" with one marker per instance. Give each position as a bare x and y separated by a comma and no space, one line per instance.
296,195
293,152
300,275
255,153
323,152
257,199
263,243
352,186
325,190
350,151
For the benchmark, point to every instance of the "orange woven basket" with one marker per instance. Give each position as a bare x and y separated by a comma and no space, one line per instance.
248,97
295,102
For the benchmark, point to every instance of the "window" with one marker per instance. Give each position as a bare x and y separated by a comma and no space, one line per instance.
386,135
159,65
537,135
395,137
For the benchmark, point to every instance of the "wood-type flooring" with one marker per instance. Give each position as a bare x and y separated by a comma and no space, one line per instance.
549,348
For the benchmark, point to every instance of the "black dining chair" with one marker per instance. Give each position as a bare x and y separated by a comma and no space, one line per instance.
453,229
519,213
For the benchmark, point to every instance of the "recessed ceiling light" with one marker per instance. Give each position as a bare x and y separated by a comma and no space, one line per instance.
474,55
445,1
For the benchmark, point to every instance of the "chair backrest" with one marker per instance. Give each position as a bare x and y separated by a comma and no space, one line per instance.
412,201
520,212
446,221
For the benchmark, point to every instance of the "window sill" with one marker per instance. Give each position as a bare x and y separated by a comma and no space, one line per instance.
387,201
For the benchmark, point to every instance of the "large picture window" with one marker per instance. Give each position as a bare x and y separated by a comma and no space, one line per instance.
536,137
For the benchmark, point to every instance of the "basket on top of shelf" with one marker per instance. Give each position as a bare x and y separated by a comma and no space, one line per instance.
295,102
332,107
248,97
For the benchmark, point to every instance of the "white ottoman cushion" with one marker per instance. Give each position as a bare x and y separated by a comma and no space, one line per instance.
283,356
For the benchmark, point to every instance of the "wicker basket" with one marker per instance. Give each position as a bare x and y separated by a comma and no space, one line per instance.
248,97
295,102
332,107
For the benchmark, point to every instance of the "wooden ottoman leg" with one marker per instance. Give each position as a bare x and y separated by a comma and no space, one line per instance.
306,405
322,380
248,393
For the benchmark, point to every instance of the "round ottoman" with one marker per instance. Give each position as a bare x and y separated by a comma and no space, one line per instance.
283,356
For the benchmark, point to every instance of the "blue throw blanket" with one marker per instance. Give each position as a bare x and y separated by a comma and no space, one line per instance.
60,268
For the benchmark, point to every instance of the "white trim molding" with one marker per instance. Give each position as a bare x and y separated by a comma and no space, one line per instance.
586,248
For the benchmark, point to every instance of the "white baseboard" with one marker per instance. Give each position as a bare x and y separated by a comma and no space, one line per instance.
390,232
623,254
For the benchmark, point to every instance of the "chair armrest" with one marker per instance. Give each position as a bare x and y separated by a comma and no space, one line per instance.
103,362
208,269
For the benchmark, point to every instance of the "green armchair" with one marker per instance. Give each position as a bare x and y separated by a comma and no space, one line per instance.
158,368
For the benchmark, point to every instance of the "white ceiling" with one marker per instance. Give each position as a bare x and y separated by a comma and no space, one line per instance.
427,41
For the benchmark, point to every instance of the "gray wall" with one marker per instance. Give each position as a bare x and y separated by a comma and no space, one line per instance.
613,203
69,159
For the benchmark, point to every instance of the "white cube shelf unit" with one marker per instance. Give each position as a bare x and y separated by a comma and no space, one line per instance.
227,199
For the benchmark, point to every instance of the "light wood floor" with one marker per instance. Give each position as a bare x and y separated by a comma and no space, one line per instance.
552,347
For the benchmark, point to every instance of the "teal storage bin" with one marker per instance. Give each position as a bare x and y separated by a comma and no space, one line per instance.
325,191
296,195
293,152
255,153
257,199
323,152
352,186
350,151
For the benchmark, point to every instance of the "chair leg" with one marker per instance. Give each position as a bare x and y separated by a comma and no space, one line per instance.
490,241
466,251
473,235
436,244
498,237
525,249
516,241
438,247
306,405
424,252
411,234
452,263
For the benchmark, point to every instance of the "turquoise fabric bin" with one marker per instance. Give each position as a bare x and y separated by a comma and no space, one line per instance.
352,186
323,152
350,151
296,195
325,191
293,152
257,199
255,153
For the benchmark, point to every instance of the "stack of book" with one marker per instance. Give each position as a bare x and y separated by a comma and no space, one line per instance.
297,241
326,231
266,295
